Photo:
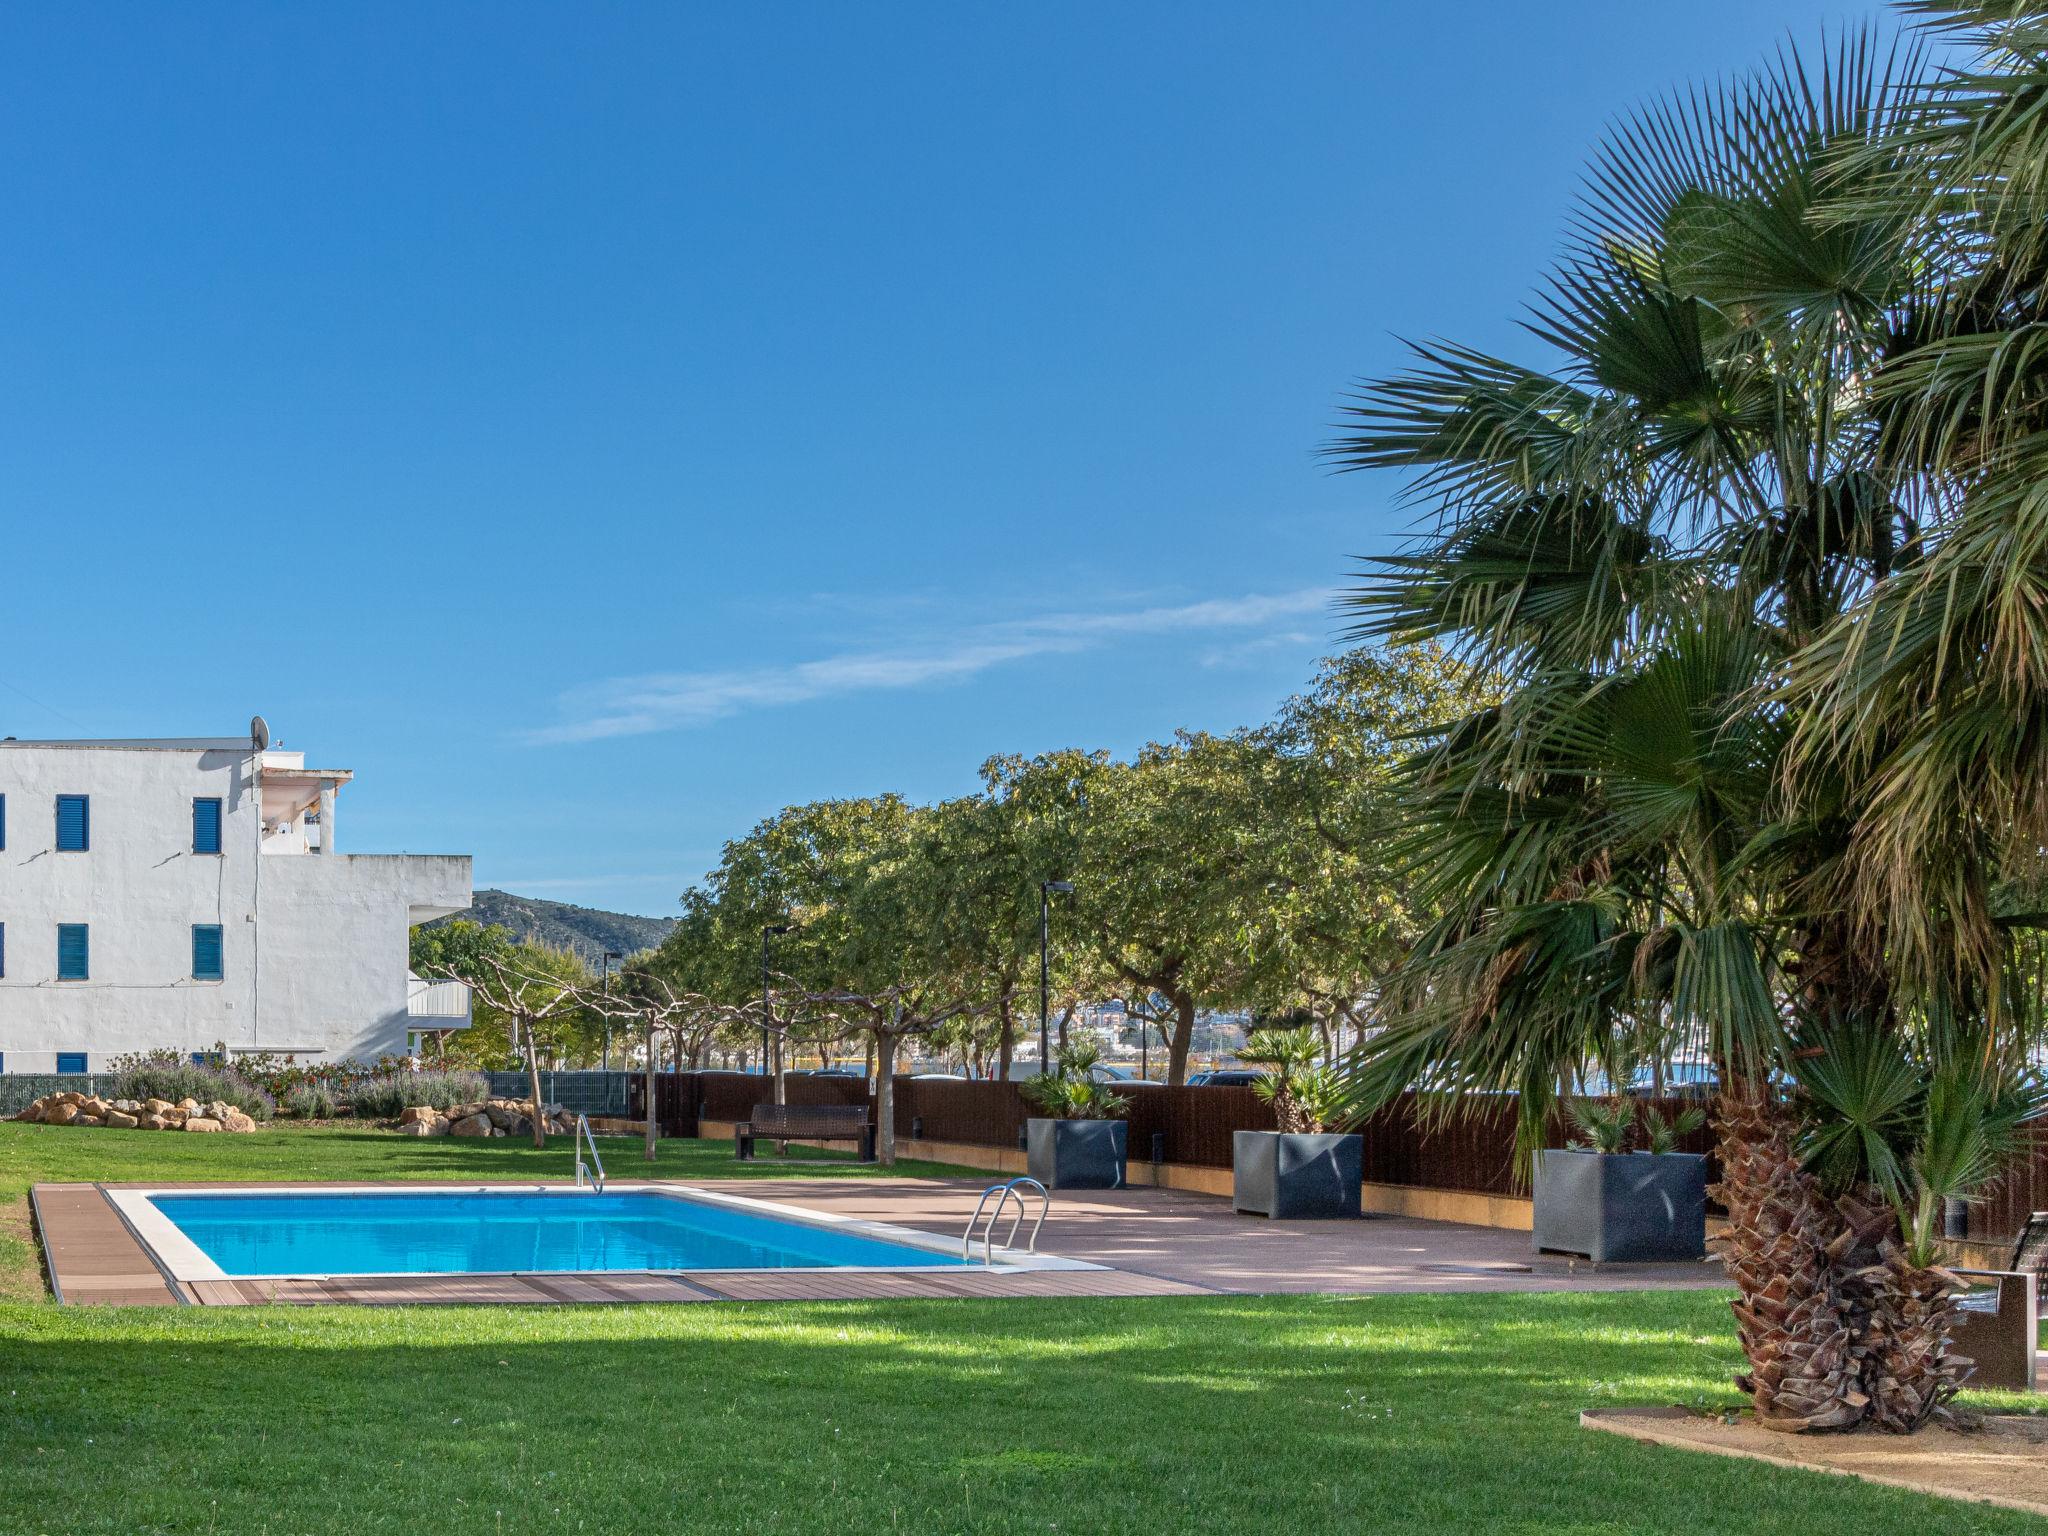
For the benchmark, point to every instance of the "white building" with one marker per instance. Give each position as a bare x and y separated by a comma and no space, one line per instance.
185,893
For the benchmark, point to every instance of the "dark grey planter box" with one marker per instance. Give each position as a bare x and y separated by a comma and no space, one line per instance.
1622,1208
1296,1175
1076,1154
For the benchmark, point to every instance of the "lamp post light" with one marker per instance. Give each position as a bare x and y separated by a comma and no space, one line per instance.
770,931
1045,890
606,982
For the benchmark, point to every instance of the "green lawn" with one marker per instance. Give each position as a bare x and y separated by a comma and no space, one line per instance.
1288,1415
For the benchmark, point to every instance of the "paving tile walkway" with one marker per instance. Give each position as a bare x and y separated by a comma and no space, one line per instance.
1151,1242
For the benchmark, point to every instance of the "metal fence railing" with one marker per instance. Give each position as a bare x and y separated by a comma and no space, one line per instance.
20,1089
581,1093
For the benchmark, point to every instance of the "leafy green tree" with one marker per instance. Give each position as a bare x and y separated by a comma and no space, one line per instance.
1175,879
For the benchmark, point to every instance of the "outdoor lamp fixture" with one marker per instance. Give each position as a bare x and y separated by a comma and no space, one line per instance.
609,956
1045,890
770,931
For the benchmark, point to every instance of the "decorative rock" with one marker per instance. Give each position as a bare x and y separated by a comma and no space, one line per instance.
201,1123
418,1114
34,1113
89,1120
121,1120
157,1106
61,1114
235,1120
471,1125
151,1122
188,1105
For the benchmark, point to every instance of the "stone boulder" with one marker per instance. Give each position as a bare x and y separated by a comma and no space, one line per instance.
235,1120
149,1120
418,1114
472,1125
121,1120
60,1114
201,1123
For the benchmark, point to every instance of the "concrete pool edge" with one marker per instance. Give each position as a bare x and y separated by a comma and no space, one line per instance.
183,1260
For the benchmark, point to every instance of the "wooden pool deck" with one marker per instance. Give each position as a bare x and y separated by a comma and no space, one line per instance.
1150,1242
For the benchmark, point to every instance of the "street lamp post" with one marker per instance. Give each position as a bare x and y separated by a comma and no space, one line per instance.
770,931
1045,890
606,981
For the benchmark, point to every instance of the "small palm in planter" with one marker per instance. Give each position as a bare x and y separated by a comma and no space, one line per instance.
1619,1205
1077,1140
1306,1168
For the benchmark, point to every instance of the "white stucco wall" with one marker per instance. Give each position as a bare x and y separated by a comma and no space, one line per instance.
313,945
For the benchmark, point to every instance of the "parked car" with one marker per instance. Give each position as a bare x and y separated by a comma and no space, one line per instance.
844,1069
936,1077
1103,1072
1227,1077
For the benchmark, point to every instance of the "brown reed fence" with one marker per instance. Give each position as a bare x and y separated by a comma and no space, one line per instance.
1472,1151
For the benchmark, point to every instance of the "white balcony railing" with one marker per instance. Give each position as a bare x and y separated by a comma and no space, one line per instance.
445,1002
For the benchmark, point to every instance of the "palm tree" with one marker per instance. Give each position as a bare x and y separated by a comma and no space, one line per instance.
1645,542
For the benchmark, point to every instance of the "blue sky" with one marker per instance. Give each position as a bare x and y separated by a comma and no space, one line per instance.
602,425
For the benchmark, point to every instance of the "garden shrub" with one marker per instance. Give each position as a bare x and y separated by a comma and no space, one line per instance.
390,1094
310,1101
164,1074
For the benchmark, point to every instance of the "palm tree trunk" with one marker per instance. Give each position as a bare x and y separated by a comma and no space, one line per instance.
1904,1312
1779,1249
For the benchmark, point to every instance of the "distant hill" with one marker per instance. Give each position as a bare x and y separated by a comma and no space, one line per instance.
585,930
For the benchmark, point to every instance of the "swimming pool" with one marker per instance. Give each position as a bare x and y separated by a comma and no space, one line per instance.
383,1231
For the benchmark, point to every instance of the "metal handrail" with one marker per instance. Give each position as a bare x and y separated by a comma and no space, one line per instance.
1004,1193
585,1138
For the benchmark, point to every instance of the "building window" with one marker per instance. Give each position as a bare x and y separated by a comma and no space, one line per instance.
206,826
74,953
74,823
206,951
71,1063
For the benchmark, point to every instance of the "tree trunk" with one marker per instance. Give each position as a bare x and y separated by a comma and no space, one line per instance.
1182,1038
1901,1315
537,1115
1007,1041
1781,1247
885,1100
653,1122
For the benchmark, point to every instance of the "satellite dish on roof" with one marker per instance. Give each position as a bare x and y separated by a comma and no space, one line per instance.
259,732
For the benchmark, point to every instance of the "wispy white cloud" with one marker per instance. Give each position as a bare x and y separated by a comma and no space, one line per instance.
666,701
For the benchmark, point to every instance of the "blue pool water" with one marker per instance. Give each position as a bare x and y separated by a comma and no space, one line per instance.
462,1232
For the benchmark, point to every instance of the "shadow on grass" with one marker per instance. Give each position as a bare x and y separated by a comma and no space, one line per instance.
1171,1414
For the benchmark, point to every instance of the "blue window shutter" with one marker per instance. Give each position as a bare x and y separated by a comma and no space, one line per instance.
74,823
74,952
71,1063
206,826
206,952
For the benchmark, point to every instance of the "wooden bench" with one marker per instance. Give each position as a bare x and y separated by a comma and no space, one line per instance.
782,1123
1999,1326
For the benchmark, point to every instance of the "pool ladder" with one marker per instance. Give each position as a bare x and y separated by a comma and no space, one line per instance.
1003,1194
584,1138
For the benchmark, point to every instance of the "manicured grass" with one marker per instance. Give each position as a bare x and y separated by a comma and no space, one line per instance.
1289,1415
39,1154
